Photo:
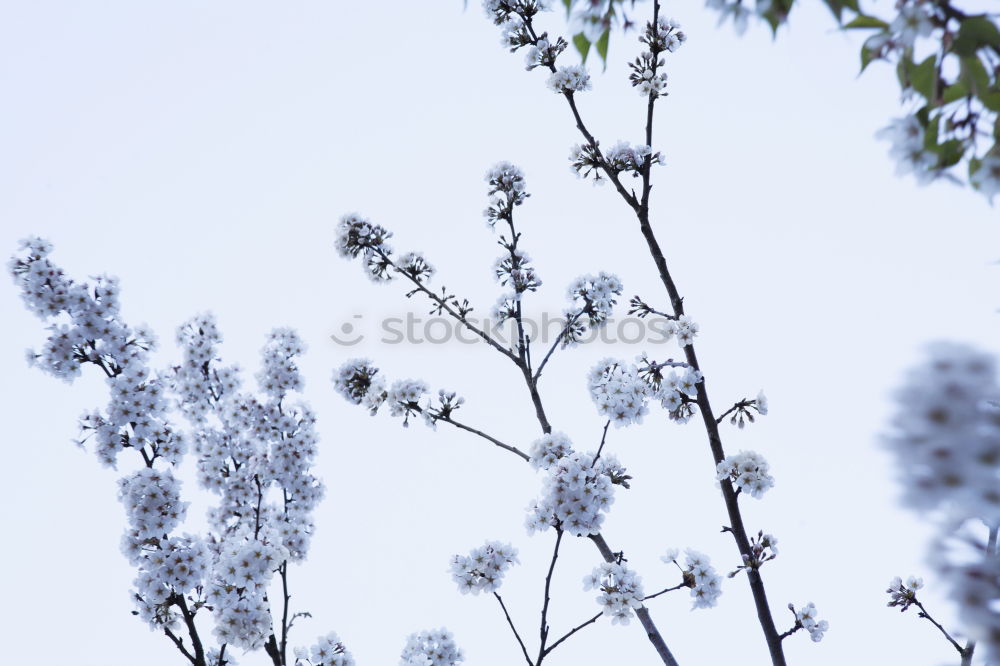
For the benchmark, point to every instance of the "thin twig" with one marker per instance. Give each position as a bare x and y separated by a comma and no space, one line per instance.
664,591
461,426
544,627
924,614
510,622
572,631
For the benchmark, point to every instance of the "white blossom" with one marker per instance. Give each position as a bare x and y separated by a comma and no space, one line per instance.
748,471
483,569
621,590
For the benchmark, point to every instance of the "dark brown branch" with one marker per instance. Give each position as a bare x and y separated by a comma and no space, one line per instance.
544,627
510,622
179,642
572,631
461,426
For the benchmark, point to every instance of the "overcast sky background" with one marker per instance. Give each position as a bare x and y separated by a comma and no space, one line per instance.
203,153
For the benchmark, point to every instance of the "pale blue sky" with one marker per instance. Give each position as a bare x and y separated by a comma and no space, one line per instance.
203,153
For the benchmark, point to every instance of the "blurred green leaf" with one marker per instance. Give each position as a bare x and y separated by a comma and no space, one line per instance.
923,77
867,56
582,45
990,99
861,21
975,75
950,153
955,91
602,46
974,33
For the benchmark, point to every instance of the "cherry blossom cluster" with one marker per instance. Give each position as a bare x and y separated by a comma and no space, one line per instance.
506,190
548,449
619,391
569,79
647,76
806,618
431,648
763,548
152,502
621,590
946,434
482,570
903,595
89,329
357,236
251,445
592,301
677,394
543,53
576,493
167,568
238,589
906,136
699,575
328,651
748,471
515,270
359,382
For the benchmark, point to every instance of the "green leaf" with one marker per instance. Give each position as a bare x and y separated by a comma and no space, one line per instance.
974,164
974,33
867,56
569,6
954,92
861,21
602,46
582,45
931,134
990,99
923,77
950,153
975,75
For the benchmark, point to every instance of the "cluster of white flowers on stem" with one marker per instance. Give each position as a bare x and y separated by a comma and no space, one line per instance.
482,570
903,594
699,575
357,236
906,135
621,590
647,76
256,453
548,449
328,651
748,471
576,493
946,436
593,299
569,79
431,648
806,618
619,391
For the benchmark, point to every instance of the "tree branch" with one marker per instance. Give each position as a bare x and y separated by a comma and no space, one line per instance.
510,622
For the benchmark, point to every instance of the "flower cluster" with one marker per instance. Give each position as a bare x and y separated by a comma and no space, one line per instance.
152,502
947,434
569,80
593,300
906,135
748,471
357,236
431,648
238,590
328,651
763,548
619,391
575,494
544,53
699,575
515,270
482,570
506,190
664,35
548,449
903,594
621,590
806,618
624,157
414,266
678,393
947,438
167,567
